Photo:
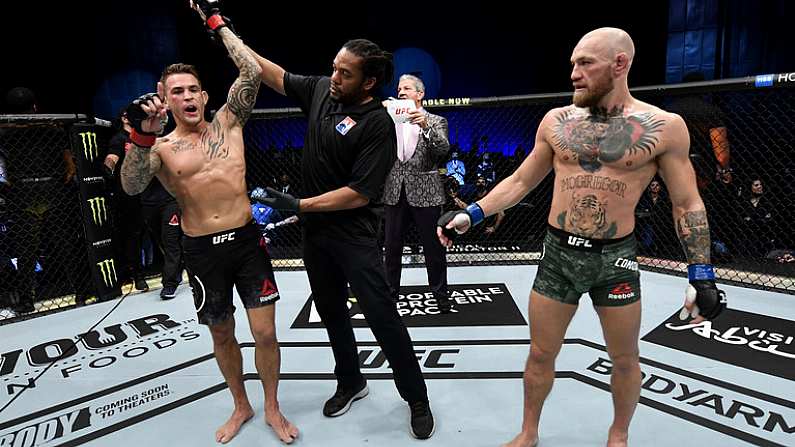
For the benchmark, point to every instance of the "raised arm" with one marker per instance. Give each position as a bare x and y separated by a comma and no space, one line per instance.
271,74
243,93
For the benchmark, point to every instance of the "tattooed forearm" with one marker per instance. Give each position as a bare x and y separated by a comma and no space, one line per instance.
243,94
693,231
140,165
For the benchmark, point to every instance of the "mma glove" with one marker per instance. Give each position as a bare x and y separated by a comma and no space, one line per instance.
281,201
472,213
136,115
709,300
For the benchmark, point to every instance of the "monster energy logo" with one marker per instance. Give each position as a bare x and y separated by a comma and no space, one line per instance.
90,148
108,269
99,212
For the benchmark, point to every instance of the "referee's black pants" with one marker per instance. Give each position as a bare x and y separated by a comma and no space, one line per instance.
333,264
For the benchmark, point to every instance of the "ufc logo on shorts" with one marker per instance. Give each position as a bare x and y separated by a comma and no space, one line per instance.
220,239
575,241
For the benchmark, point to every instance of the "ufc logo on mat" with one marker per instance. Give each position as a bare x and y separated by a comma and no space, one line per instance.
220,239
575,241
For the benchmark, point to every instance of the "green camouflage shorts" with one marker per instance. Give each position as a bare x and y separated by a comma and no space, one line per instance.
572,265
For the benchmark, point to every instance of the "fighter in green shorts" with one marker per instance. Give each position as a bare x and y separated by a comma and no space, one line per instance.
573,265
604,150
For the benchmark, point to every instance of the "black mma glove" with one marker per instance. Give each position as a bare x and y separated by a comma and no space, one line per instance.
280,201
214,35
136,116
473,213
211,9
702,296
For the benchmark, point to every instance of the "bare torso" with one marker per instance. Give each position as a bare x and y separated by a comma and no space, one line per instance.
602,163
206,171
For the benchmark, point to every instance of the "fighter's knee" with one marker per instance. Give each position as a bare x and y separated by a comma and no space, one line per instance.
222,333
542,355
625,362
264,337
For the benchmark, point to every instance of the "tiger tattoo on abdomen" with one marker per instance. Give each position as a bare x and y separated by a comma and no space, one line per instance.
587,217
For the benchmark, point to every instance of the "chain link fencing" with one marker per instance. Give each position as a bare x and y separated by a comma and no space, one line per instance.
59,240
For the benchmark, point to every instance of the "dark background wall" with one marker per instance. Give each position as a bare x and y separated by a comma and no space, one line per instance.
81,59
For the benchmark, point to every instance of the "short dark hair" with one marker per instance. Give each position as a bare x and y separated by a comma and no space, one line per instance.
21,100
377,62
180,68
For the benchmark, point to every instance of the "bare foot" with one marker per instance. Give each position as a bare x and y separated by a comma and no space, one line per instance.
617,438
523,440
232,426
283,428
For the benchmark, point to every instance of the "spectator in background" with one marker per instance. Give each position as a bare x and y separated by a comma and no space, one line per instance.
414,192
286,187
757,220
709,137
452,199
456,168
485,169
42,203
721,197
130,216
162,216
656,235
491,223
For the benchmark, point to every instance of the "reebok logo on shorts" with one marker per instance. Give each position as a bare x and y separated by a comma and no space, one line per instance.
622,291
626,264
268,292
221,238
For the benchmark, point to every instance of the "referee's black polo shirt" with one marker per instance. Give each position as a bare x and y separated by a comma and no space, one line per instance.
352,146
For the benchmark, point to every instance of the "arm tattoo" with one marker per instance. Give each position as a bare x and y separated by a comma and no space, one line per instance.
243,93
693,231
605,136
138,169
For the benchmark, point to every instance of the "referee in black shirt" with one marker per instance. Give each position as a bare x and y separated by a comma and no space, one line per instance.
349,148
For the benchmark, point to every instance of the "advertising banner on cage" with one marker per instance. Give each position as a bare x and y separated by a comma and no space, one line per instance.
95,208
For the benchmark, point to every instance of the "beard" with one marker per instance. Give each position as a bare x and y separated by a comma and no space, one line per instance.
351,97
593,94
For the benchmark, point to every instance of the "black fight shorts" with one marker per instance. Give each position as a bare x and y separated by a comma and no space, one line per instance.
216,262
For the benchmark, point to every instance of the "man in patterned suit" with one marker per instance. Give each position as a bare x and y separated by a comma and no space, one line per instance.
414,191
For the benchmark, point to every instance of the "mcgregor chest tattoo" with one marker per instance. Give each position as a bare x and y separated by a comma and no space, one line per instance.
603,137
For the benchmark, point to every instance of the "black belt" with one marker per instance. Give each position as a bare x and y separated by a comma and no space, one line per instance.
582,243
